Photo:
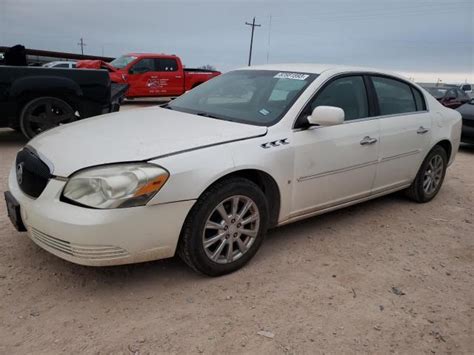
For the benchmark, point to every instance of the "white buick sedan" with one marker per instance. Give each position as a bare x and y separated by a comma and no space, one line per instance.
208,174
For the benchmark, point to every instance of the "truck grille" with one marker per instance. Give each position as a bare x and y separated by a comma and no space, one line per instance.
32,174
83,251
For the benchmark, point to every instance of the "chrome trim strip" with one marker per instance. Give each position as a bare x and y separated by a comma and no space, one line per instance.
364,119
403,155
337,171
331,207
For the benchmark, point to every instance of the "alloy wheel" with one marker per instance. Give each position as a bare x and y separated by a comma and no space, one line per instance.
433,174
231,229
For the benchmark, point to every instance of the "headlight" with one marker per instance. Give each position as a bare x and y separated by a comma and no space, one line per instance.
116,186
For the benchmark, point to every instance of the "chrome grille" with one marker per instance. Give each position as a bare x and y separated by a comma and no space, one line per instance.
91,252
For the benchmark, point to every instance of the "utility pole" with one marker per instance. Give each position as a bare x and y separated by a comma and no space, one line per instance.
82,44
251,38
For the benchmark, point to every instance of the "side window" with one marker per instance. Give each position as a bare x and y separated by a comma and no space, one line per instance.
62,65
393,96
466,87
419,100
143,66
348,93
166,64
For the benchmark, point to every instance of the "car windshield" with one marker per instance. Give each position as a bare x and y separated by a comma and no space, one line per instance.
123,61
258,97
438,93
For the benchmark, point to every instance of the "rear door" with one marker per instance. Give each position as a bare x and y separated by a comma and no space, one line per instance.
170,78
405,132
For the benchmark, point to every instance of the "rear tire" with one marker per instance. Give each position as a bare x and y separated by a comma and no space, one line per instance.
430,177
44,113
225,227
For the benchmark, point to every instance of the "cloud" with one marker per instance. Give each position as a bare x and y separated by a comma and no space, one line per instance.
411,36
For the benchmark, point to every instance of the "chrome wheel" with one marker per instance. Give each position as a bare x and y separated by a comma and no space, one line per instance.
231,229
433,174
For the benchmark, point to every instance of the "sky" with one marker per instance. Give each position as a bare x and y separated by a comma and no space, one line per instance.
423,39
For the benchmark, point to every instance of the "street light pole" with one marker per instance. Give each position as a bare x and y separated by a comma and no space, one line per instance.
251,38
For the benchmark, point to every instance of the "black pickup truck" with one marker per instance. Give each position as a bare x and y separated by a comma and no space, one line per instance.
33,100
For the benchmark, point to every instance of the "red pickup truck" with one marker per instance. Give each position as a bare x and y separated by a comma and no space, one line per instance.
151,74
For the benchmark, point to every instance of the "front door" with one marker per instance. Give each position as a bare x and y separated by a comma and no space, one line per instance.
336,164
143,78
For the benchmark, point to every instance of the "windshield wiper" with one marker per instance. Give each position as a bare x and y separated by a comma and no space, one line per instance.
205,114
167,106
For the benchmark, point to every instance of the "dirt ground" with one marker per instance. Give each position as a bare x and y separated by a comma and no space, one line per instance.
385,276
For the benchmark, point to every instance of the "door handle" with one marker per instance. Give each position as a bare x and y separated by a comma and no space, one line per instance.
368,141
422,130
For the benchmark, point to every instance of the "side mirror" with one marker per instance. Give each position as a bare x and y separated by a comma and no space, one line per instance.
326,116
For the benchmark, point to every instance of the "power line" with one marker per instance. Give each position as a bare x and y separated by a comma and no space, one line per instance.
251,38
82,44
269,38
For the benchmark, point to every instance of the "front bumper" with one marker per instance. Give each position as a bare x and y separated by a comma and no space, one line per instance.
100,237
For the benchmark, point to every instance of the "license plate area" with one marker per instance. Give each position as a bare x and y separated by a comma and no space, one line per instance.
13,210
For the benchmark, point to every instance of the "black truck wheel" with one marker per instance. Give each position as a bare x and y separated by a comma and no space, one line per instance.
44,113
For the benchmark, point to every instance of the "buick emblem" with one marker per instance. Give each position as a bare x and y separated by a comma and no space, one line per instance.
19,173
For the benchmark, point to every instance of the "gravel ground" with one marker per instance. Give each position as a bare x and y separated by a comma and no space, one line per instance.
385,276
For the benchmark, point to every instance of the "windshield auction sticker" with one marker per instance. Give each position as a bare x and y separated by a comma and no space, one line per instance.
292,76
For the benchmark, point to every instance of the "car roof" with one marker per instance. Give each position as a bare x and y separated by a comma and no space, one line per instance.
317,68
135,54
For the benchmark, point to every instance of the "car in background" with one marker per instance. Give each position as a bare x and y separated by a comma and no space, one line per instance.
35,99
60,64
207,174
152,75
448,96
467,88
467,113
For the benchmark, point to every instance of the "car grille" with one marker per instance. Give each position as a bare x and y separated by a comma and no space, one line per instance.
32,174
91,252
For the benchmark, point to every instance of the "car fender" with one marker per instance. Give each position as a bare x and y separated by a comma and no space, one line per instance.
447,126
191,173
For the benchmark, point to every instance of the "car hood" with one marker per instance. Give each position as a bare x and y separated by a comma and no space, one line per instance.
135,135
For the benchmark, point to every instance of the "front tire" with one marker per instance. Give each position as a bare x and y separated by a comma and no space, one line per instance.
225,228
430,177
